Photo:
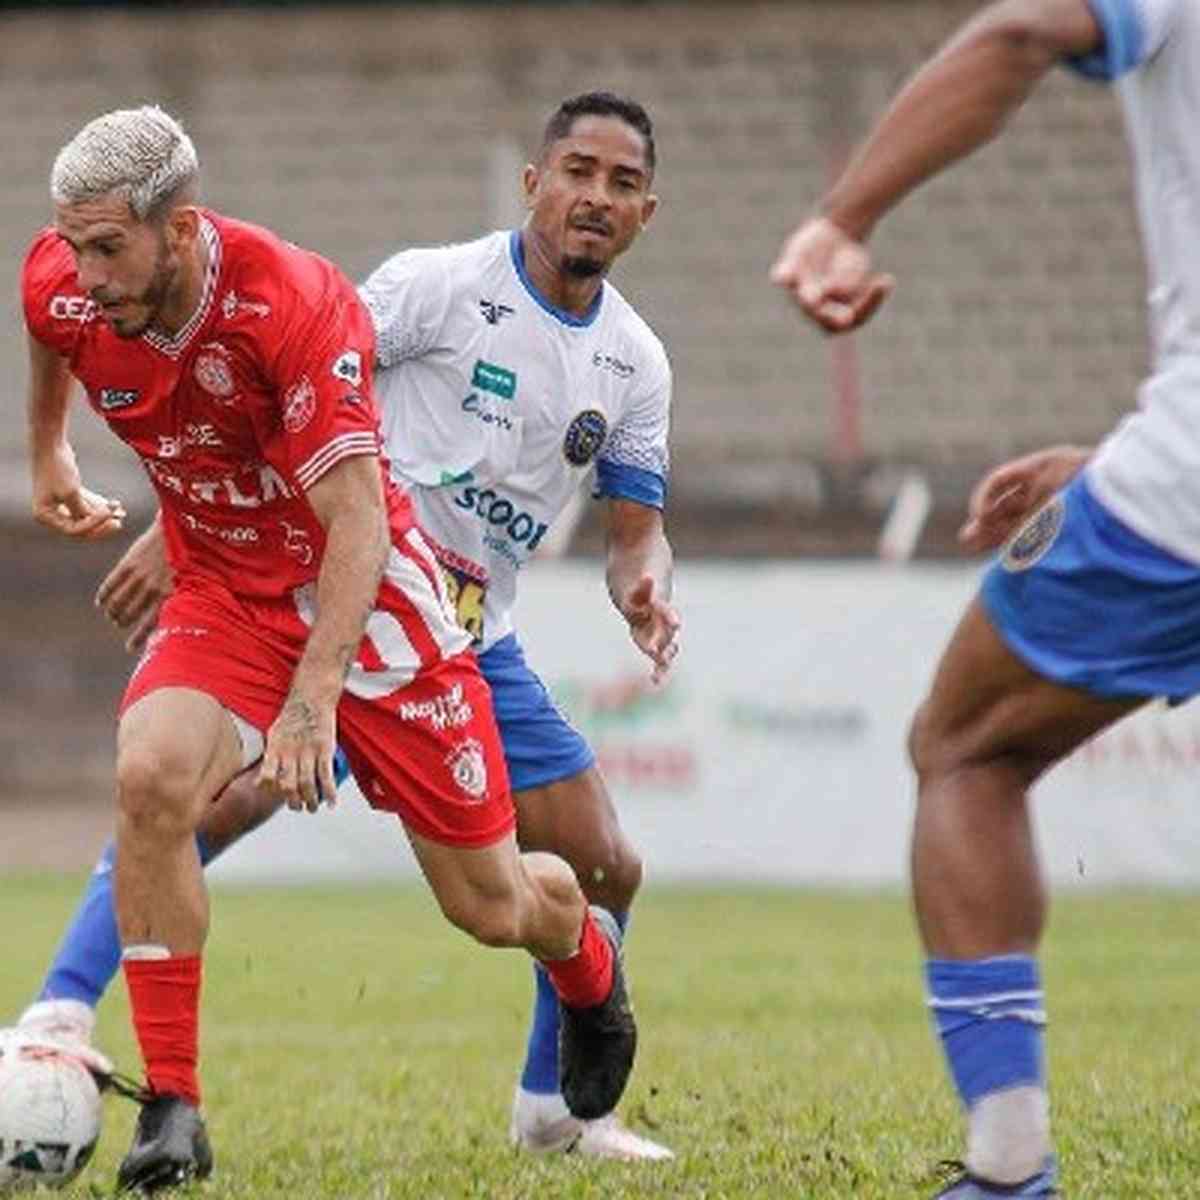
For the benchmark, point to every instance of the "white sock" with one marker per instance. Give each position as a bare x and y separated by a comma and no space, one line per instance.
1009,1134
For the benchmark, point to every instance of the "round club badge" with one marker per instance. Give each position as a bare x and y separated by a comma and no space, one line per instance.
585,436
1035,537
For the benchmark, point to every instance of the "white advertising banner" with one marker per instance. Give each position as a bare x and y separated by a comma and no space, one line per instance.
776,750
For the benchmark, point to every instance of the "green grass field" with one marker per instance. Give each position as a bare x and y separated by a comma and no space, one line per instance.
354,1046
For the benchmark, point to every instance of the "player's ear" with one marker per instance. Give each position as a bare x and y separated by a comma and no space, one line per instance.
649,208
182,226
530,178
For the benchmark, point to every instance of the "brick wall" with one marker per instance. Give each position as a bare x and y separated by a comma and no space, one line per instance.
1018,318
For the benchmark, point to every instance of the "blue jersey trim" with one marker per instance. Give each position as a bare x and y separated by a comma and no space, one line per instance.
517,250
618,481
1124,40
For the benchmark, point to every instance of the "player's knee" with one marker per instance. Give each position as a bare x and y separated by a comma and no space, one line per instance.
155,793
613,877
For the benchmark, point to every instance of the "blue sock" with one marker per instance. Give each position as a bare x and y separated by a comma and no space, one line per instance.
541,1053
990,1016
90,954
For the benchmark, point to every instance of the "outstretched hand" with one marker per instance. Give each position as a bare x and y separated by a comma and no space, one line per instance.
830,276
1009,493
654,626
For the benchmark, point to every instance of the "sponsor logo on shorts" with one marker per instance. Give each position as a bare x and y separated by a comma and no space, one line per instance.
585,435
450,710
1034,539
468,768
213,371
348,368
299,405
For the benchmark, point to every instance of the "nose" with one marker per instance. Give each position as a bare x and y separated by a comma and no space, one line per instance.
90,272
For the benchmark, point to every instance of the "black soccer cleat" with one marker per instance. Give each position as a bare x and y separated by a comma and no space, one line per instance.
170,1147
596,1045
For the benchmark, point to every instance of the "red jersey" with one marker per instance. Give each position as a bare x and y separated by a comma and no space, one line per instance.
266,387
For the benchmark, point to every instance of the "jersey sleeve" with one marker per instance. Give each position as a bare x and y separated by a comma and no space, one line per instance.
408,298
322,375
1132,32
633,462
54,306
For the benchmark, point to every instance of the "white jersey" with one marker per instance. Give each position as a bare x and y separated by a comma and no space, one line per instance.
1147,472
495,407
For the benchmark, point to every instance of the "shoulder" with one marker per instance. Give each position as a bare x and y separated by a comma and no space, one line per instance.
636,338
448,265
55,307
292,281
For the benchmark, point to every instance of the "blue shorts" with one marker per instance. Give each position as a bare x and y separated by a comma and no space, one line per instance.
540,745
1086,602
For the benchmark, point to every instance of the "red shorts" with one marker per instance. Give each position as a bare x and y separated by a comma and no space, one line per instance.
428,750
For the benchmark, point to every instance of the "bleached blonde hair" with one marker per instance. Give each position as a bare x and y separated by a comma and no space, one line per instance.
141,154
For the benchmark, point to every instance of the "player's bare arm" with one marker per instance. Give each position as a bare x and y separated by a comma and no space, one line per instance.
956,103
131,594
1009,493
640,564
348,502
60,501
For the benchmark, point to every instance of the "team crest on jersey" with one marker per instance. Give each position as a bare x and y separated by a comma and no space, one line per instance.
213,371
348,368
299,405
468,768
585,436
1035,537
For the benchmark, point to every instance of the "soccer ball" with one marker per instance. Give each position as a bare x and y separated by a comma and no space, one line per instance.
49,1113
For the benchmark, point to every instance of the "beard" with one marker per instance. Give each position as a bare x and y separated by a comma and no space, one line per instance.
580,266
151,299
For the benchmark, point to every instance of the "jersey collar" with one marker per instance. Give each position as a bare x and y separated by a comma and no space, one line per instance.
517,250
173,347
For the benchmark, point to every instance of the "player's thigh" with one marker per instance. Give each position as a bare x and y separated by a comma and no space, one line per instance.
576,819
986,704
238,809
179,747
478,888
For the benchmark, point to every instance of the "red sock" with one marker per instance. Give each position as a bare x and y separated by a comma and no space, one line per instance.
585,979
164,995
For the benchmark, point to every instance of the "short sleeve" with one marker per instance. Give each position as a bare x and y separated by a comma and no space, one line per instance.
322,373
55,309
633,463
408,297
1133,32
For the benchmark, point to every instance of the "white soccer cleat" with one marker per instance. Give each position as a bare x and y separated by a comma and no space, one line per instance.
65,1023
61,1020
543,1125
607,1137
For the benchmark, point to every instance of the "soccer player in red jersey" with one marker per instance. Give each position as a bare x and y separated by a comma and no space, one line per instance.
306,608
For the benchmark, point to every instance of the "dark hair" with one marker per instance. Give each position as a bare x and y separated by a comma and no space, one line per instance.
601,104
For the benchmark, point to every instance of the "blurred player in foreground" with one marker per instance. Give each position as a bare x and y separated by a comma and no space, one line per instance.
1093,607
306,603
509,368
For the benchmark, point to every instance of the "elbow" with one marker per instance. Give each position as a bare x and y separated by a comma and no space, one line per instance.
1023,37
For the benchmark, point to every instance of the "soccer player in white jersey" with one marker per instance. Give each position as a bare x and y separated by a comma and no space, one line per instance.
1093,607
508,370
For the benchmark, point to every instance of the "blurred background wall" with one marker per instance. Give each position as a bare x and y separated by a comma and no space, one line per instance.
360,129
